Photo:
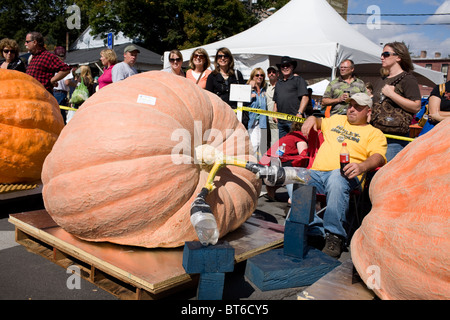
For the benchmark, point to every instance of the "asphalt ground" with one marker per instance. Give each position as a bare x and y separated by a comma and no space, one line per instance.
28,276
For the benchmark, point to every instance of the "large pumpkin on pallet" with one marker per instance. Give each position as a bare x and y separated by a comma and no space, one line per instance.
402,249
30,122
123,169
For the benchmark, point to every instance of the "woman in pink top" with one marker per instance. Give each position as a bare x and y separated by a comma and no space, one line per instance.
199,64
108,58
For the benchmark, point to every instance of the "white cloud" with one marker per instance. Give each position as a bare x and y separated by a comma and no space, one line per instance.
417,41
430,2
443,8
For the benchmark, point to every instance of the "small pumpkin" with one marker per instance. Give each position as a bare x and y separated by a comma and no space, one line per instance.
402,249
30,122
123,169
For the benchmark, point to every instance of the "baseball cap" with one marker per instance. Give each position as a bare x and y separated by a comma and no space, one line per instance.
131,48
361,98
272,67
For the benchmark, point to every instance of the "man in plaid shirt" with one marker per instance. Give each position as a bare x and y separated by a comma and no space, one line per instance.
44,66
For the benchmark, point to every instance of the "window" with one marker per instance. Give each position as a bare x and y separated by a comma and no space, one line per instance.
444,70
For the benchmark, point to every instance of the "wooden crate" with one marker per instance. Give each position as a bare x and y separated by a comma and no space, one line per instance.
131,272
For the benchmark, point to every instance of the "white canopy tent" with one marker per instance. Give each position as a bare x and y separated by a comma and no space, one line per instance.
311,32
319,87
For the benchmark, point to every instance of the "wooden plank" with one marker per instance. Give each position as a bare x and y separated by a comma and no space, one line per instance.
274,270
151,272
339,284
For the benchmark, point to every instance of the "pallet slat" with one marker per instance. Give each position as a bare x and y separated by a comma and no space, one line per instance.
130,272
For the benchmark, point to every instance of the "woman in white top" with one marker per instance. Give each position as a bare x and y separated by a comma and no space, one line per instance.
199,64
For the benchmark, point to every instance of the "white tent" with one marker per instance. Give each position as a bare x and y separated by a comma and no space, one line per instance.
311,32
319,87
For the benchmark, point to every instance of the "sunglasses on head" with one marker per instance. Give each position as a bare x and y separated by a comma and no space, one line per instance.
7,51
388,54
175,59
222,56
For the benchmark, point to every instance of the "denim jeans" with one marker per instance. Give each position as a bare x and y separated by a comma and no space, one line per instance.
61,97
283,128
394,147
337,190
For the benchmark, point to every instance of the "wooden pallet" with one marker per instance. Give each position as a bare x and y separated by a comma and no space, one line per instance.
131,273
343,283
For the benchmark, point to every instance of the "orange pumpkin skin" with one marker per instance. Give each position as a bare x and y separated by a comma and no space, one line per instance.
30,122
406,234
111,176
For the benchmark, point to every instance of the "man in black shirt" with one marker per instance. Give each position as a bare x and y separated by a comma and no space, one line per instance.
291,94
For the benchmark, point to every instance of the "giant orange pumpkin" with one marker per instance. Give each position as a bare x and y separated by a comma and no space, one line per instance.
30,122
402,249
123,169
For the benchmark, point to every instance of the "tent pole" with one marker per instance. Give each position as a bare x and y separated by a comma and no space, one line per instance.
333,70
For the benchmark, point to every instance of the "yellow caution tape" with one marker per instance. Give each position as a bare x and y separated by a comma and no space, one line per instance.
398,137
278,115
289,117
67,108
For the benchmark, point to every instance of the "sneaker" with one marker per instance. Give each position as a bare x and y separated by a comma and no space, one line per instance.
333,245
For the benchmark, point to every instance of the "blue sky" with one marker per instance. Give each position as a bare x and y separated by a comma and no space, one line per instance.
432,38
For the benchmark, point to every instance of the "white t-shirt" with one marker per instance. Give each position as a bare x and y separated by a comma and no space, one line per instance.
62,85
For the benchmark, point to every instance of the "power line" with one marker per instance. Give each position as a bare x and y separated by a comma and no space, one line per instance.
398,14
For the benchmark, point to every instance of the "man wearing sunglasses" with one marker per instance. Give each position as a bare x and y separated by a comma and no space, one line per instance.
44,66
291,94
367,148
126,68
341,88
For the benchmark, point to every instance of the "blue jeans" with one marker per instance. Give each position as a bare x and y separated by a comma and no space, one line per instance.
283,128
61,97
337,190
394,147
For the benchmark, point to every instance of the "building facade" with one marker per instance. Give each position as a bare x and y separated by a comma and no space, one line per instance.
436,63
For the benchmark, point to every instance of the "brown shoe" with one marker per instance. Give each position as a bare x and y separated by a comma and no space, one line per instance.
333,245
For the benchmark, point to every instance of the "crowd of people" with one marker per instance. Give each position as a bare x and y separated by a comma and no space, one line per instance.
352,111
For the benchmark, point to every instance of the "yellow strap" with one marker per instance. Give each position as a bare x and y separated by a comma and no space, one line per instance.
67,108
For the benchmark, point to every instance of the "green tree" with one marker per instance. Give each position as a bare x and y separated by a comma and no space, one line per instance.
18,17
164,25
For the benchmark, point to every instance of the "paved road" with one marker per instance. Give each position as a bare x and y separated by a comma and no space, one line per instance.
27,276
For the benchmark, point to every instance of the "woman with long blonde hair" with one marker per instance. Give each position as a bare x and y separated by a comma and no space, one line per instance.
257,123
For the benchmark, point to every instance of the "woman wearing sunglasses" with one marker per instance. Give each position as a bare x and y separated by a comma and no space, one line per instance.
223,76
199,64
398,96
176,61
257,123
10,52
